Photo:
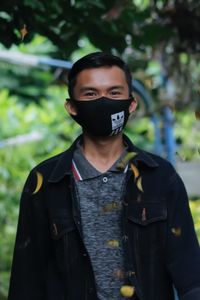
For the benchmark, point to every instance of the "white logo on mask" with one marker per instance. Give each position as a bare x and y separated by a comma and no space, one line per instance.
117,120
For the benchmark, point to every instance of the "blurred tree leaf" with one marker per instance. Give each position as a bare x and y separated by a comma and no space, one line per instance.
61,21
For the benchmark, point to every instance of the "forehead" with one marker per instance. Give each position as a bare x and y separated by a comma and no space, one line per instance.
101,77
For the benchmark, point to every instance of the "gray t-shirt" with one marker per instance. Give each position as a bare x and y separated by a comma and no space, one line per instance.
100,196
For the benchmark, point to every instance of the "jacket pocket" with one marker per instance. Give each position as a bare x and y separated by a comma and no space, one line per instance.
147,212
146,227
61,226
65,239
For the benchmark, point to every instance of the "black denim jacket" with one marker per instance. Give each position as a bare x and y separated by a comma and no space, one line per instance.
50,261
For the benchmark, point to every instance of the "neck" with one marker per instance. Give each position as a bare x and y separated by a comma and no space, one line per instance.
102,152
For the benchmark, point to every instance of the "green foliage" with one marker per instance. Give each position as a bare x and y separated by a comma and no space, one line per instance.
195,209
139,31
55,130
64,22
187,129
105,23
26,82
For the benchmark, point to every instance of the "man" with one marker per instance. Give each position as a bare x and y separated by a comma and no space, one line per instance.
104,220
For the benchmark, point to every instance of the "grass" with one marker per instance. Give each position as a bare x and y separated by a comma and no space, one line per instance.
195,208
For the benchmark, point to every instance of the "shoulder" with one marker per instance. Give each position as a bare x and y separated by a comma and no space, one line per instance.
157,173
149,160
47,165
163,164
40,173
54,168
165,169
161,178
152,165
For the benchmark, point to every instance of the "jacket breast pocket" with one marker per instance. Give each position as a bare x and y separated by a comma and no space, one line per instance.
146,225
66,241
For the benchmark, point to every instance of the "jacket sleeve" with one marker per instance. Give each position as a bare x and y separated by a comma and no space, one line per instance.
182,248
27,274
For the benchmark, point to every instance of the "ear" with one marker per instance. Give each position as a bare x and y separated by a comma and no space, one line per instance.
70,107
133,105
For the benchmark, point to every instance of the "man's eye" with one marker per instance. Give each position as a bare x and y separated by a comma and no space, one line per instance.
114,93
90,94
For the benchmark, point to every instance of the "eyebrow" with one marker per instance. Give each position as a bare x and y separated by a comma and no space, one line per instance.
117,87
87,88
90,88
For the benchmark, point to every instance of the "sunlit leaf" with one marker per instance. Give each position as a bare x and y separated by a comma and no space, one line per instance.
113,243
111,206
135,171
139,184
127,291
176,231
39,182
23,32
126,159
197,114
115,12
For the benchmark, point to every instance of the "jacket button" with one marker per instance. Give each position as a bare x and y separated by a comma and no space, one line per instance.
127,291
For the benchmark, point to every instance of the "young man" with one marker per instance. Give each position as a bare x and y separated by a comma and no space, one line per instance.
104,220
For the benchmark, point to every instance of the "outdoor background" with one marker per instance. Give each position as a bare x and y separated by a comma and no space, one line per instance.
159,39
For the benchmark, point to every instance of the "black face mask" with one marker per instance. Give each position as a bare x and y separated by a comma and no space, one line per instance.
102,116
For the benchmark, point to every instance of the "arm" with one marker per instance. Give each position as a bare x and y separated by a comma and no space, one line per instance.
27,274
182,248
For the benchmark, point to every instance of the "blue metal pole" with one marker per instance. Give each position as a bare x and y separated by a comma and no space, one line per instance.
170,144
158,147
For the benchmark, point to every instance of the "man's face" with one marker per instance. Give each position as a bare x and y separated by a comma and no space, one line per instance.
105,81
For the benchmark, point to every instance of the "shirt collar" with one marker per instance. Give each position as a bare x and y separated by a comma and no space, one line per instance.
82,168
63,166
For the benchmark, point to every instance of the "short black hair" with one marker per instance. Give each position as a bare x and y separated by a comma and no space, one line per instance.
97,60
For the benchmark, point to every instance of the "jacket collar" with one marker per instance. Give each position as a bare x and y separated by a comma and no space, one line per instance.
64,164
